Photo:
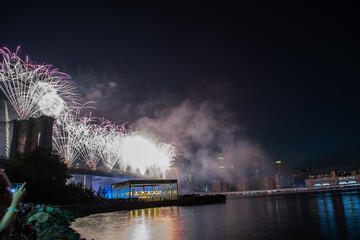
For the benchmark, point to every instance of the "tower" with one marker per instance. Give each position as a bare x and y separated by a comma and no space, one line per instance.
7,131
31,133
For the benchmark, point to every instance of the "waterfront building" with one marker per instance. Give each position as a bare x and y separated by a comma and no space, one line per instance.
332,180
153,189
354,172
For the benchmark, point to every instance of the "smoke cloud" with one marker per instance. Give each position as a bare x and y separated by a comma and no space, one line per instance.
200,129
200,132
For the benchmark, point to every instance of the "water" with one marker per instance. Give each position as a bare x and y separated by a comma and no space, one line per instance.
302,216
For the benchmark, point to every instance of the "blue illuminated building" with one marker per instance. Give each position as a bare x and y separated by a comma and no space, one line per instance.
146,189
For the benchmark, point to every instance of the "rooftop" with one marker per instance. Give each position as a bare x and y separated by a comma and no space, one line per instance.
144,182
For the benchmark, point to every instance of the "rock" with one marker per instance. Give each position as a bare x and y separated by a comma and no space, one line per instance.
52,223
49,209
46,236
73,235
62,236
40,217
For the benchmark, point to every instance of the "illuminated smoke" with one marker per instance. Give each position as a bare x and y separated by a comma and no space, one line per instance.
200,132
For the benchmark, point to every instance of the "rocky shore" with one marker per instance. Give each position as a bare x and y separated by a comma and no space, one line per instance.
46,222
50,222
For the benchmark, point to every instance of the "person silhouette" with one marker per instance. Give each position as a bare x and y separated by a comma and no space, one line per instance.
8,202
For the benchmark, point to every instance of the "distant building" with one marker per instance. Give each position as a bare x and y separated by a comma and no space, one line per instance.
278,181
242,184
277,166
223,168
332,180
225,186
354,172
267,183
215,186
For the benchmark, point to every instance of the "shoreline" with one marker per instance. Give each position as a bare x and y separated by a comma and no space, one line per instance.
112,205
288,191
53,222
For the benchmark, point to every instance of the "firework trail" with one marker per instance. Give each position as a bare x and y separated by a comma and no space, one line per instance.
38,89
68,132
34,89
108,139
86,144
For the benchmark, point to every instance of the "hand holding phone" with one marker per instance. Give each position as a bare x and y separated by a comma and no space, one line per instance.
19,195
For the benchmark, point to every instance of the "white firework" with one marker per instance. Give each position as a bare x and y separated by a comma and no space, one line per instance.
34,89
79,138
49,103
68,133
86,144
108,139
142,152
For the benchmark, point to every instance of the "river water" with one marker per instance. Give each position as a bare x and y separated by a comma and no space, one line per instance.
304,216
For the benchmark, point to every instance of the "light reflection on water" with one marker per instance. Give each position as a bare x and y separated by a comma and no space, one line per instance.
150,223
313,216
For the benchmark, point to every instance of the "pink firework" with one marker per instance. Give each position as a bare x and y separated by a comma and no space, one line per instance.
34,89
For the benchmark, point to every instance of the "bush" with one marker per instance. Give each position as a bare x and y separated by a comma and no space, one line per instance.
101,193
46,175
44,172
76,193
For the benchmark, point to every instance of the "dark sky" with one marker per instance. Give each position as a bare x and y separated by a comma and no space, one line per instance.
288,71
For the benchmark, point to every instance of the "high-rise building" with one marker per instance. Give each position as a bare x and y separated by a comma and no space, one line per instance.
267,183
215,186
242,184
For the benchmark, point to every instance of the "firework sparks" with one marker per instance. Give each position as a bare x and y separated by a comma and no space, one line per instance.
68,133
86,144
48,101
34,89
143,153
108,140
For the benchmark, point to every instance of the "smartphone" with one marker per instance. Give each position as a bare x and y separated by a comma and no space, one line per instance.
15,186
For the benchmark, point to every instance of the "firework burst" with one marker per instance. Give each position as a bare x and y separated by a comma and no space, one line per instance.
34,89
108,139
38,89
68,133
150,156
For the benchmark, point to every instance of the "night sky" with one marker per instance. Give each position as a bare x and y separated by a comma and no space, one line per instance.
287,72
